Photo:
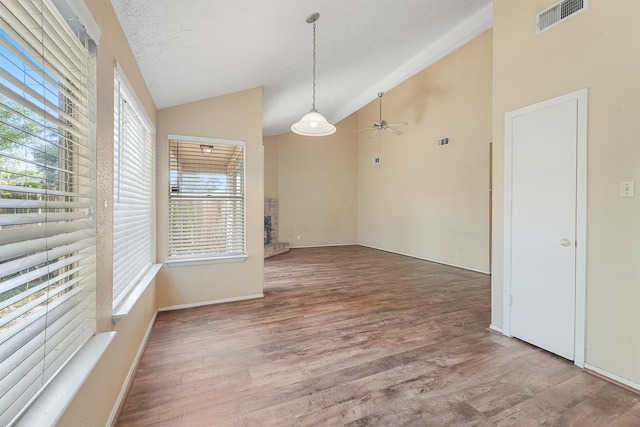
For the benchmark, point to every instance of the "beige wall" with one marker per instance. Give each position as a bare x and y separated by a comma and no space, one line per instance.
600,50
270,166
97,397
236,116
422,200
317,187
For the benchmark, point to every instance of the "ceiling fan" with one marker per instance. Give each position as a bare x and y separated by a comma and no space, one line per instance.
383,124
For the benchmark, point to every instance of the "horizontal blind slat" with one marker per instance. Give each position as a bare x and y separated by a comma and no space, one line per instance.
11,267
40,272
33,218
37,288
43,244
35,231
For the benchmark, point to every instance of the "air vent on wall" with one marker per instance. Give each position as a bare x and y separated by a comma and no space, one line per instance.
558,13
442,141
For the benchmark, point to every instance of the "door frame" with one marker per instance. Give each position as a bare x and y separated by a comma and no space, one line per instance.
581,214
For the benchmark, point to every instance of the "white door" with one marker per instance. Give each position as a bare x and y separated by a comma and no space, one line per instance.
543,227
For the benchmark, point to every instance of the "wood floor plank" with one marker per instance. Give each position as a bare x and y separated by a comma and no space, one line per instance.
628,418
360,337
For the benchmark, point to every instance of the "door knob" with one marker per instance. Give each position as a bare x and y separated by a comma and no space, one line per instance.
565,242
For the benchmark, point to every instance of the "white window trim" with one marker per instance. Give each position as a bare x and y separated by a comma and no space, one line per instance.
78,9
205,260
126,305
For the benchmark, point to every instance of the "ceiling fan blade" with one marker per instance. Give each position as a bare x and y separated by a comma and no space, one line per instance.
396,131
398,124
373,132
374,125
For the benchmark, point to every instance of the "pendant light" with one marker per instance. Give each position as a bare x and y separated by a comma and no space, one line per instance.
313,123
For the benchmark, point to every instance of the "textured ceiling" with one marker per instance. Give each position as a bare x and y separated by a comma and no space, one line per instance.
196,49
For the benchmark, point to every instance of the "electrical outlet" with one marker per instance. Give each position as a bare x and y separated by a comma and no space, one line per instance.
376,160
626,189
299,237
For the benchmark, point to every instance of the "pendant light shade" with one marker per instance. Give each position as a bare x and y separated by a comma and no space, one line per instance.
313,123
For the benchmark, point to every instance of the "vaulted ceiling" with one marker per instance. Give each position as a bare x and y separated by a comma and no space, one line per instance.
196,49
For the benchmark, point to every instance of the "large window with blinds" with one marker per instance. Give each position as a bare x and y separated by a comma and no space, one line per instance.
206,198
47,199
133,192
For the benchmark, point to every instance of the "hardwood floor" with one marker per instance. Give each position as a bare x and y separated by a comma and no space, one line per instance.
355,336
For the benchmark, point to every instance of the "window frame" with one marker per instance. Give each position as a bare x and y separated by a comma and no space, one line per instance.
208,257
132,272
64,199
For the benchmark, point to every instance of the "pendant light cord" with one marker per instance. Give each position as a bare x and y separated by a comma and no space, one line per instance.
314,66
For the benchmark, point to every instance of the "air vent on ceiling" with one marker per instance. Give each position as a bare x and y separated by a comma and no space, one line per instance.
558,13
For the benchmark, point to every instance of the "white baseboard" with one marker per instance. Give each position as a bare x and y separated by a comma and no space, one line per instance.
217,301
323,246
132,371
427,259
612,377
496,329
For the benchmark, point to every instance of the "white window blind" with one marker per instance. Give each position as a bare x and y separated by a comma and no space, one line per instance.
206,199
47,199
133,193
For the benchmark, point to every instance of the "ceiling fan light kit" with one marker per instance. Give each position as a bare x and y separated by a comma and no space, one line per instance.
313,123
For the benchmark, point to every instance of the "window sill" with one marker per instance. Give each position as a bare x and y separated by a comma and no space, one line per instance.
49,406
200,261
125,306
